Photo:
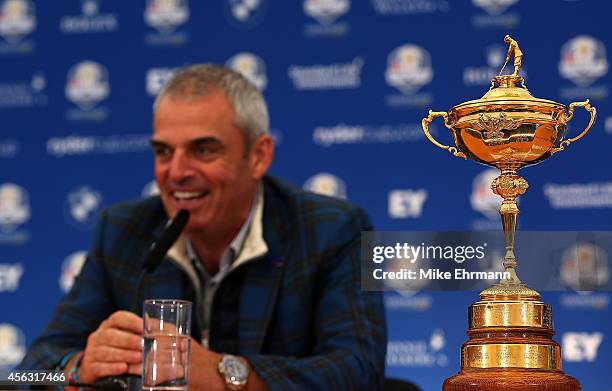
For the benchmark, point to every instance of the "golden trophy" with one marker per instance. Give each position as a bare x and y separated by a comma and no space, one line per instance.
510,344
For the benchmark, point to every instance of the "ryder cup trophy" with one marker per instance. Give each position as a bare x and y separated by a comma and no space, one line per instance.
510,344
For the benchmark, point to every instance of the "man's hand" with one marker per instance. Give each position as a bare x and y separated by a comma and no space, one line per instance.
114,348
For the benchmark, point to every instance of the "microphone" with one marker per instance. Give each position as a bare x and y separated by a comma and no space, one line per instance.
165,241
158,251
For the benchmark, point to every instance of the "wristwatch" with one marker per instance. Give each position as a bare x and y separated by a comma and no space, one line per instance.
234,371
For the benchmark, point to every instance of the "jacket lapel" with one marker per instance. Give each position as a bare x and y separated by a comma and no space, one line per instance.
257,301
263,278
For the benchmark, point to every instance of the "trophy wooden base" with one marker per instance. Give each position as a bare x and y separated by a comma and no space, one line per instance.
493,379
510,347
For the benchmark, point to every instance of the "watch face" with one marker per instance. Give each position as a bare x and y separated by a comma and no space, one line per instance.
235,370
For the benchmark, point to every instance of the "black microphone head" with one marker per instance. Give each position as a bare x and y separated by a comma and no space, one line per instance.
181,219
165,241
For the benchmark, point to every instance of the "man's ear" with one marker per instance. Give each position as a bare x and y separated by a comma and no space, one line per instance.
261,155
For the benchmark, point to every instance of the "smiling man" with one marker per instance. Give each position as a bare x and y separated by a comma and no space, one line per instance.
273,271
206,165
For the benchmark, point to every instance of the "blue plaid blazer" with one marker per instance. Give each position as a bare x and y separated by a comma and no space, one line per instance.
303,321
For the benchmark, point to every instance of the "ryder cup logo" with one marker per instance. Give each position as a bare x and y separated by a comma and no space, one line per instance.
583,60
87,84
326,11
250,66
17,19
494,7
584,267
408,68
326,184
71,267
14,207
166,15
12,346
483,199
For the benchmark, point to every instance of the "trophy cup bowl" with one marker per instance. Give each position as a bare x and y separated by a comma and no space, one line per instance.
508,126
510,330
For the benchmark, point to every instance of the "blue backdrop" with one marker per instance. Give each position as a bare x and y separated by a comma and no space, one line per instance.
348,83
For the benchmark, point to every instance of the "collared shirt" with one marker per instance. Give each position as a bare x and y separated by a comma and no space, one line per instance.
209,284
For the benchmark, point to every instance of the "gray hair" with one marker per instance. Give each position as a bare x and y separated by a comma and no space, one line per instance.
197,81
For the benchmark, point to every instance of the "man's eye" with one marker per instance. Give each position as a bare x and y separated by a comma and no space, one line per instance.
205,151
161,151
202,151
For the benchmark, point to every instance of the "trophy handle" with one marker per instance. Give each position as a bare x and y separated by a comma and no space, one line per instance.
425,123
567,117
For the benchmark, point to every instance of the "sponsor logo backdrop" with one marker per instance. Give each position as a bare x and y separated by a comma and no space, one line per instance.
348,83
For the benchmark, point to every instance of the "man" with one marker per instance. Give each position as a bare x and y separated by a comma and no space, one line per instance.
518,54
274,272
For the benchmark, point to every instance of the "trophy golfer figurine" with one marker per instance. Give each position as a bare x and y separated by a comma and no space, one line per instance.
518,55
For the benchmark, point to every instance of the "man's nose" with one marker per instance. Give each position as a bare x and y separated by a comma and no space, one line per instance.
180,168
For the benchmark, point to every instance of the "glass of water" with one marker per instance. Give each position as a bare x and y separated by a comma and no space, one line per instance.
166,336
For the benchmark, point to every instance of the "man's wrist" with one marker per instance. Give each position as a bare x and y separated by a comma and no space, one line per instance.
72,367
73,373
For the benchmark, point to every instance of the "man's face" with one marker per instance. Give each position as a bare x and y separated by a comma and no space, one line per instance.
201,164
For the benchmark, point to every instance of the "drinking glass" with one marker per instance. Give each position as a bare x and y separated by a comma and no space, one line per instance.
166,344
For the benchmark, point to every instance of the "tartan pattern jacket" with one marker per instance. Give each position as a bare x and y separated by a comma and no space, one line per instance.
303,321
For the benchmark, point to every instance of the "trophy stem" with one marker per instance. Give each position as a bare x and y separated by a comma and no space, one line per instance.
509,185
509,214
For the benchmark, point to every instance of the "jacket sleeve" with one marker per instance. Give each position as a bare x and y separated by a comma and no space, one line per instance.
79,312
350,329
